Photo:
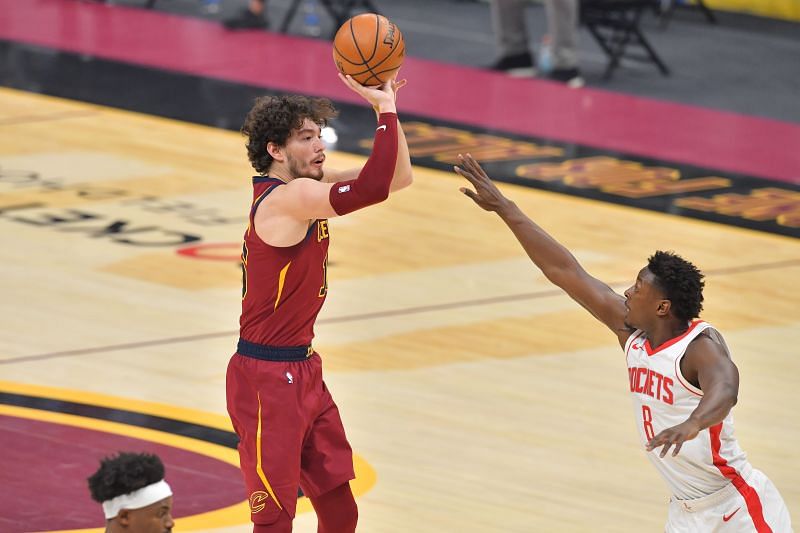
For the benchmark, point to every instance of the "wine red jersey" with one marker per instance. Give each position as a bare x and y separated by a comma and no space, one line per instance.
283,289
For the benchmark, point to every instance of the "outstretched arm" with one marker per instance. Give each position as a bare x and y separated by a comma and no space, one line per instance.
306,199
708,366
552,258
402,171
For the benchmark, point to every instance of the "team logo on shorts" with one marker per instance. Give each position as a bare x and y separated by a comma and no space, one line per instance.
258,501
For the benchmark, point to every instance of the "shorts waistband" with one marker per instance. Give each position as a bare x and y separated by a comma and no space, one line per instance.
274,353
699,504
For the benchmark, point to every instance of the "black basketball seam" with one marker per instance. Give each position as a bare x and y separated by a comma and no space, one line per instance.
343,30
358,49
342,56
377,36
390,54
373,72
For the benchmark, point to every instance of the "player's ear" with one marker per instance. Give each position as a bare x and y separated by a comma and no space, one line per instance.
275,151
663,307
124,518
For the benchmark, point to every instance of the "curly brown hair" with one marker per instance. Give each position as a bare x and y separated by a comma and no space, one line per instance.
273,118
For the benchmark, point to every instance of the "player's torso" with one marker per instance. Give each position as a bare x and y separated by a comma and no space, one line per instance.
663,398
283,289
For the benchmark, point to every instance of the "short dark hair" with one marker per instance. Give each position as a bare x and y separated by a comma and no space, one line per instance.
273,118
681,281
123,474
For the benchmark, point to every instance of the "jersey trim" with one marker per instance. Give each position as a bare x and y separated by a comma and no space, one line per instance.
264,194
749,494
682,380
265,179
652,351
281,281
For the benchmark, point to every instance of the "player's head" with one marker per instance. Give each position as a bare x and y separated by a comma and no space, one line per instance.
286,130
133,493
669,286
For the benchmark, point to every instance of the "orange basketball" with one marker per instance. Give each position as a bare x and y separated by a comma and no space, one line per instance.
370,48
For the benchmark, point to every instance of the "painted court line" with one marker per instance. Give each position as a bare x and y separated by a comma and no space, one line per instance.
30,119
369,316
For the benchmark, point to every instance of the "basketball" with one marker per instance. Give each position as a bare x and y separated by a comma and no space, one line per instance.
370,48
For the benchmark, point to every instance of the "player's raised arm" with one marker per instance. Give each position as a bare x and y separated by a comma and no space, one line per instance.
403,176
388,167
552,258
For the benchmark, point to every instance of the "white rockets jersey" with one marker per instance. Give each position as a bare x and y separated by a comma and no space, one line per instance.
663,398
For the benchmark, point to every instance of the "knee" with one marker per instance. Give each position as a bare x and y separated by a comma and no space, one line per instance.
337,511
344,520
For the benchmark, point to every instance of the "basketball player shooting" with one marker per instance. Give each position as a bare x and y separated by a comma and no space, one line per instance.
290,431
682,379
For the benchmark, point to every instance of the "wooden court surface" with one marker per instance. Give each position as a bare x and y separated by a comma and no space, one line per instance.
483,399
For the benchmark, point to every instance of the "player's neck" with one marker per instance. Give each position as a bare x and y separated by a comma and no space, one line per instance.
665,330
280,173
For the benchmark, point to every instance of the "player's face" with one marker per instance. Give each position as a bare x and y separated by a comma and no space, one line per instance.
642,300
305,151
155,518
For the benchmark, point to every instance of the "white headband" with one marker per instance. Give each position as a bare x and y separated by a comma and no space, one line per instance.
137,499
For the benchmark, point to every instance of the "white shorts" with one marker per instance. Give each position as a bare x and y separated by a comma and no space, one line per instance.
757,507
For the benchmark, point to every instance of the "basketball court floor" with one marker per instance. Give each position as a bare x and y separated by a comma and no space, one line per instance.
476,396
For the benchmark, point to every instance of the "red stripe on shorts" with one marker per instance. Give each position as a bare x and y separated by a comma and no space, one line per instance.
749,494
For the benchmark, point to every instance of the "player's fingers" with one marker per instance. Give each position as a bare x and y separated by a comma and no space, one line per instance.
467,174
472,166
677,449
470,193
656,441
665,449
477,169
350,82
345,79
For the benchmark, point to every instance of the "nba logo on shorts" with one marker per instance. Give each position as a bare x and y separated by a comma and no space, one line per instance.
289,377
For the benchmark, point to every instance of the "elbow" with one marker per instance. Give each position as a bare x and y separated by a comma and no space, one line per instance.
731,394
401,181
405,179
381,194
733,398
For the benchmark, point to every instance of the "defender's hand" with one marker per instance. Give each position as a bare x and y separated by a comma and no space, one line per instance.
486,194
